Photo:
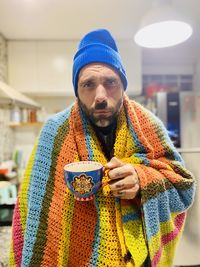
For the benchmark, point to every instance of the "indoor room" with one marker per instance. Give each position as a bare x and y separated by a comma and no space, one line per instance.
116,83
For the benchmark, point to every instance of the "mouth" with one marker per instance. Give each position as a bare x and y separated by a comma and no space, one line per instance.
102,112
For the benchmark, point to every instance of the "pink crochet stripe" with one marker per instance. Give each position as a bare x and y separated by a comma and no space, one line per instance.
18,241
179,220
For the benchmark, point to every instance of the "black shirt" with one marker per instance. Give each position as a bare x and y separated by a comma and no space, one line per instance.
106,136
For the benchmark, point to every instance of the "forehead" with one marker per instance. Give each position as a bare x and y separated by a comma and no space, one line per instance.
97,69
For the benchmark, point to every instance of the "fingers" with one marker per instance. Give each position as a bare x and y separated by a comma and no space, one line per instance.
123,171
121,184
128,193
123,179
126,188
114,163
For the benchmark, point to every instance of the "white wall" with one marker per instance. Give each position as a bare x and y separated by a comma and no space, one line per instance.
197,74
45,67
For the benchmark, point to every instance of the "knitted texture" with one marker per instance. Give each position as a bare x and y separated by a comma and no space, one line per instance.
98,46
51,228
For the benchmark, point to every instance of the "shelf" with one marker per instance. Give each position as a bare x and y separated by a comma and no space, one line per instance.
25,124
39,94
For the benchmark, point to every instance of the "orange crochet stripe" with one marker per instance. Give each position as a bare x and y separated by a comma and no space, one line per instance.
82,233
57,202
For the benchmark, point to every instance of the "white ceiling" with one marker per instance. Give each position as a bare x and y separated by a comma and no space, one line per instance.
71,19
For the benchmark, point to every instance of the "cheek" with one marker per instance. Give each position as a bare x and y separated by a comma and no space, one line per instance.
117,97
87,99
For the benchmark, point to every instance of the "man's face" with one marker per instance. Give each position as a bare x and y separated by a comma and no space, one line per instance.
100,93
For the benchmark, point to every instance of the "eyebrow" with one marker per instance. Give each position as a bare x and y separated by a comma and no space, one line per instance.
86,80
93,78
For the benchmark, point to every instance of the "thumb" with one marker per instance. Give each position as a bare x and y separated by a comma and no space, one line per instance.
113,163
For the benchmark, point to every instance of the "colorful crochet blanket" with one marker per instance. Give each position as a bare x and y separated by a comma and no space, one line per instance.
51,228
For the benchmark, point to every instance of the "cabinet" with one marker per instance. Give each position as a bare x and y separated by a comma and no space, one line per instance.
45,67
41,67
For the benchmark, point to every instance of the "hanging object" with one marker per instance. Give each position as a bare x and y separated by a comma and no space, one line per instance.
10,96
162,26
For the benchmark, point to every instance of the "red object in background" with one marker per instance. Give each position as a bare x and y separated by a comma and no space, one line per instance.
154,88
3,171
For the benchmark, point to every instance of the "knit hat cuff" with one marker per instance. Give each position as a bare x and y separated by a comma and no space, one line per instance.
97,53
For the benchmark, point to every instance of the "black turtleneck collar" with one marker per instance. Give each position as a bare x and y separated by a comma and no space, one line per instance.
106,136
105,130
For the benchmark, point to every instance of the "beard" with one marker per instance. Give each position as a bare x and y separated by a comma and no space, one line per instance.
102,120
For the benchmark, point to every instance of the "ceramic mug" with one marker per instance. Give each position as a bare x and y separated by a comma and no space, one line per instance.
84,178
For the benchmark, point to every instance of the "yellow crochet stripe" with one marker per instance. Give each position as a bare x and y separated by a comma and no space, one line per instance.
134,236
23,201
76,157
121,136
105,208
24,189
130,145
119,228
11,256
167,255
123,140
165,228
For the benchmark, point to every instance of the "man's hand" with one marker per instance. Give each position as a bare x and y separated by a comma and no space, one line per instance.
124,181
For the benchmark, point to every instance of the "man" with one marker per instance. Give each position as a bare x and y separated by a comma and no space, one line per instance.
134,221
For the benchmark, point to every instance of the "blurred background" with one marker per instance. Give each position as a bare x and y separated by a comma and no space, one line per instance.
38,39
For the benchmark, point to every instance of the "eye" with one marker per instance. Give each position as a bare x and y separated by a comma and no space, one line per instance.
111,83
88,84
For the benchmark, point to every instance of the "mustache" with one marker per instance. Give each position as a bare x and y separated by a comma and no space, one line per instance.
101,105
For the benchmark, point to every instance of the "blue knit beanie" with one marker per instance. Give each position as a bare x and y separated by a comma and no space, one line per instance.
98,47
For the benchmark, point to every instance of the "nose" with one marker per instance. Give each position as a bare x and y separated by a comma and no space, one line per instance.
101,94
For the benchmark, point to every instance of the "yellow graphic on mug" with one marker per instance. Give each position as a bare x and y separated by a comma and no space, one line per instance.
82,184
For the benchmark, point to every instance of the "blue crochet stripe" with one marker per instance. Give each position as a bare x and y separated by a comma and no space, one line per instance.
44,150
130,217
166,204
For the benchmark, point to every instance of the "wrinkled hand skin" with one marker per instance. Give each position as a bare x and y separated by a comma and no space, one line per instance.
124,181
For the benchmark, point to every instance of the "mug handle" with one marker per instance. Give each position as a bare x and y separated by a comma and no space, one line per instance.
105,172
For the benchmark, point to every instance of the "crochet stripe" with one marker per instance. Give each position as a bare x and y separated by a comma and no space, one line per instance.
166,238
55,227
96,241
36,225
139,148
58,197
20,213
162,202
18,244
